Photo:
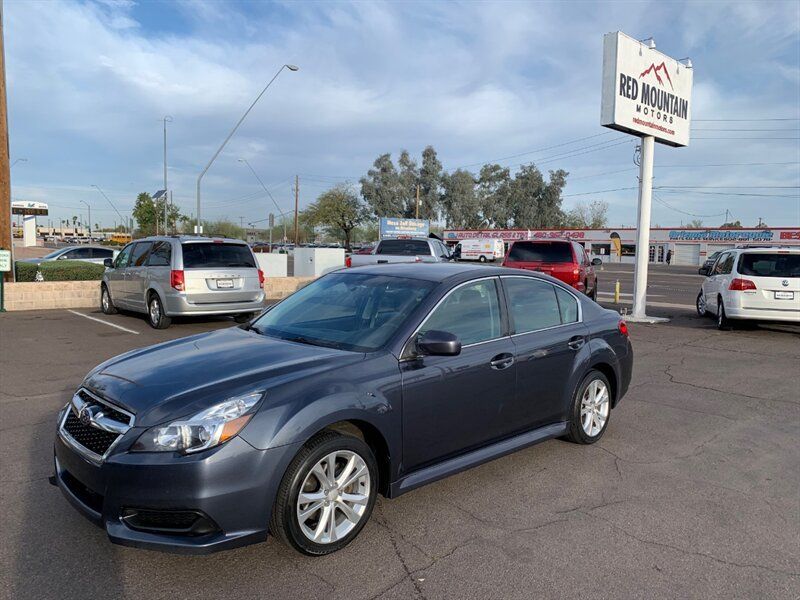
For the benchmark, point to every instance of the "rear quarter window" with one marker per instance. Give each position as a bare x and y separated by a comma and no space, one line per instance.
548,252
211,255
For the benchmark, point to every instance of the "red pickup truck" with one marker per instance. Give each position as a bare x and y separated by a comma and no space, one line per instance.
563,259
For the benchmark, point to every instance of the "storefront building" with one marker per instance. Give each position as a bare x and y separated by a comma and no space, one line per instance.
688,246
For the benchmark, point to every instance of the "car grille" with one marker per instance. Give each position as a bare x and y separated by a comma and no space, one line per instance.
92,425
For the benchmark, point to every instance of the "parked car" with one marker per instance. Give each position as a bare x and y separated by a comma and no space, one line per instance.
402,250
709,262
375,380
173,276
563,259
482,250
93,254
759,284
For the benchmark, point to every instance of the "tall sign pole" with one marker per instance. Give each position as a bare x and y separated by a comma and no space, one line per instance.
296,207
646,94
5,167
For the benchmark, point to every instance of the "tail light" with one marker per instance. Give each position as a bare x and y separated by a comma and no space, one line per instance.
348,262
261,279
576,276
623,328
176,280
741,285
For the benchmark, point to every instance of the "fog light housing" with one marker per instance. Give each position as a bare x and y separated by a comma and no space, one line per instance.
169,521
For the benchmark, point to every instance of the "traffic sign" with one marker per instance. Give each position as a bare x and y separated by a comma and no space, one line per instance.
5,260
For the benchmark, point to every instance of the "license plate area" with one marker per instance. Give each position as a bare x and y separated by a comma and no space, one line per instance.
784,295
224,284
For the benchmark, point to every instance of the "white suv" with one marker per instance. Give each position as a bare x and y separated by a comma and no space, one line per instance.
752,283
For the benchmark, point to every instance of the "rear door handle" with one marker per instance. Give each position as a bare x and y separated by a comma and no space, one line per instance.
576,342
502,361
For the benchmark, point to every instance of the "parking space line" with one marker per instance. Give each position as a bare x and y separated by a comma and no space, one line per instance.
104,322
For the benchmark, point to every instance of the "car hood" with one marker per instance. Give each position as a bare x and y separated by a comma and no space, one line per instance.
184,376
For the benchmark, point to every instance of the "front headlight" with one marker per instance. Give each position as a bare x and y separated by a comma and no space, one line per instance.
204,430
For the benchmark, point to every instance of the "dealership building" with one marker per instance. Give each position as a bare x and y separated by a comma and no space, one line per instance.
688,246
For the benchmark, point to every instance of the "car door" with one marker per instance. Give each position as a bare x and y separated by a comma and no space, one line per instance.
136,274
455,403
547,332
100,254
714,284
115,277
76,254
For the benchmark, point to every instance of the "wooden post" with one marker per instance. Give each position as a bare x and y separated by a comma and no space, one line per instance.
5,167
418,201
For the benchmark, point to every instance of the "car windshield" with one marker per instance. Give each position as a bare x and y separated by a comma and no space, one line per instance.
55,253
345,311
764,264
551,252
214,255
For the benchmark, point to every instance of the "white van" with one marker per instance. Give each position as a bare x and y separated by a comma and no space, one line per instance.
483,249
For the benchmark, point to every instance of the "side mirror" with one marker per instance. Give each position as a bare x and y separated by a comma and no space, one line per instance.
703,271
108,263
439,343
597,262
62,257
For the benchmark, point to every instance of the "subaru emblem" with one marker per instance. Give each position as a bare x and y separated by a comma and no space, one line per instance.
785,283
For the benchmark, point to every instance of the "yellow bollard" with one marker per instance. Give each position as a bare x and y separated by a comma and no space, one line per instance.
616,292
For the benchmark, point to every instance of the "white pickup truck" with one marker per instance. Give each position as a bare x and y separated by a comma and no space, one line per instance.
402,250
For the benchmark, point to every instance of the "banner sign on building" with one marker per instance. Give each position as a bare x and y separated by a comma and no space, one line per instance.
644,91
732,235
404,228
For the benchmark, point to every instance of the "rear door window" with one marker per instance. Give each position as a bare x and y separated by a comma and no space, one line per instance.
139,254
102,253
79,253
547,252
212,255
161,256
404,248
763,264
532,303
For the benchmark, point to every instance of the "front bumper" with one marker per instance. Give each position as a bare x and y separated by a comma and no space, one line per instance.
180,305
233,485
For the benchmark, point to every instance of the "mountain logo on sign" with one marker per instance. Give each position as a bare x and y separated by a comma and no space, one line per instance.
654,70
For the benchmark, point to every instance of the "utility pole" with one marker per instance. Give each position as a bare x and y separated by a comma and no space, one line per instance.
296,207
418,201
5,169
166,198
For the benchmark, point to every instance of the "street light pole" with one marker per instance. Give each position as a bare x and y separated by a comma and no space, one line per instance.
112,205
88,206
18,160
230,135
278,208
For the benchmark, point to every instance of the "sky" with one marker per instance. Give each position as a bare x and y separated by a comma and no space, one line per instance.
89,83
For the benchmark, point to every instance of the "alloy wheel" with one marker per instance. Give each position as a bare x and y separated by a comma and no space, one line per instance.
155,311
104,300
333,497
595,406
701,304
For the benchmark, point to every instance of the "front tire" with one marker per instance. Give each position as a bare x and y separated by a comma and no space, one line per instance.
327,494
243,317
700,304
106,304
593,295
482,259
155,313
591,409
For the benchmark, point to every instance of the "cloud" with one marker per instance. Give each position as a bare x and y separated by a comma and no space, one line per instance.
88,83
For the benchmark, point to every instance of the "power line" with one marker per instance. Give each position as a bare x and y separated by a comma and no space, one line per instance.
743,120
660,201
739,129
745,138
731,187
670,191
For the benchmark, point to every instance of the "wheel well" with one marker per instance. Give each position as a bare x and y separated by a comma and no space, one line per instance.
375,440
608,371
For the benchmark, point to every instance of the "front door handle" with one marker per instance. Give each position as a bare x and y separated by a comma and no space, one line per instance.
502,361
576,342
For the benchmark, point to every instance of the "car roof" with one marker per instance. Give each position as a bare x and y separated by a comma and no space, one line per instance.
768,250
438,272
190,238
84,246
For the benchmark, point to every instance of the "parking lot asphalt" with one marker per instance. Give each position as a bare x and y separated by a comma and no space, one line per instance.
694,491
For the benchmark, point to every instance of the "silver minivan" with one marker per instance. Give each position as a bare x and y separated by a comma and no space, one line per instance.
168,276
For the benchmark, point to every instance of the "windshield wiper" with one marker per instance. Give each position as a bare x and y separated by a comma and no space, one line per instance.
312,342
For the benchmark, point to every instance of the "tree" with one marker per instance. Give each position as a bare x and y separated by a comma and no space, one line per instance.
381,188
430,181
148,212
733,224
527,189
459,200
409,176
495,195
587,216
695,224
339,211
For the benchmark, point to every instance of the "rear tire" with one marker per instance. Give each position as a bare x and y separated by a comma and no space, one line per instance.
482,259
594,291
155,313
325,497
723,322
106,304
591,409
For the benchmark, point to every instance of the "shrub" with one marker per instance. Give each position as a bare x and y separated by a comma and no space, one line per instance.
60,270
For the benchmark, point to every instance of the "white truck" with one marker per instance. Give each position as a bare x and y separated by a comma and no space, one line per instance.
402,250
481,249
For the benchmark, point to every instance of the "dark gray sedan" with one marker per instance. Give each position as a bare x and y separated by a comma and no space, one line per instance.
374,380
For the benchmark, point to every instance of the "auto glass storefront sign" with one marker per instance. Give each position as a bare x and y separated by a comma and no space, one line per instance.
645,92
759,235
404,228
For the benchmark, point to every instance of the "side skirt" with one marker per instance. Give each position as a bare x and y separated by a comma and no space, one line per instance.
476,457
